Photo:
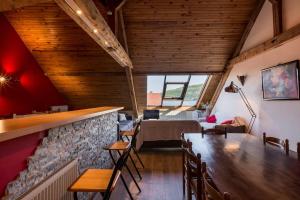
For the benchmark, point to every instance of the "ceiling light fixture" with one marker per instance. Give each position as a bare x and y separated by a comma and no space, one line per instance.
95,31
78,12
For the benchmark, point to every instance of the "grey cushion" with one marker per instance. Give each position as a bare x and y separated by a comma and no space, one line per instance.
126,125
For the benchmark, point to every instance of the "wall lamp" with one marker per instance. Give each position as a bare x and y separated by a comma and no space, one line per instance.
233,88
4,80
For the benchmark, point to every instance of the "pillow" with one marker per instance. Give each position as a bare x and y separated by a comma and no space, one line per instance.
227,122
122,117
211,119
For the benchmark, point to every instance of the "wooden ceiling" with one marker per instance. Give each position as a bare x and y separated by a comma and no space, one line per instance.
184,35
163,36
78,67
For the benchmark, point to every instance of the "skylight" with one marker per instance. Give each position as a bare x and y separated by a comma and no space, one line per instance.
175,90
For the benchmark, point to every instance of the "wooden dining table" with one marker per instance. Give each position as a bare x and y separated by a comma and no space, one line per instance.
241,165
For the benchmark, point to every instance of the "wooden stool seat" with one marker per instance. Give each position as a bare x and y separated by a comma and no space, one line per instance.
127,133
94,180
119,145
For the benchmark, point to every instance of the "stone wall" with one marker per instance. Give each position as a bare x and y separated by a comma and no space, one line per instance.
83,140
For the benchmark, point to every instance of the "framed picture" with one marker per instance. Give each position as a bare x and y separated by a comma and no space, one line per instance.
281,82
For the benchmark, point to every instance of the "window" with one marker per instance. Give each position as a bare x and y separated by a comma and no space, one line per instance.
175,90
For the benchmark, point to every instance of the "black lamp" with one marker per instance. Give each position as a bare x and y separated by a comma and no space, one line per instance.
233,88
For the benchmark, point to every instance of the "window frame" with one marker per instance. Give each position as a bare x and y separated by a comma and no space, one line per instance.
184,90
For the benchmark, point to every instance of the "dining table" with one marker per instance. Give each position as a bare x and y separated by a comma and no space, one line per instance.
246,168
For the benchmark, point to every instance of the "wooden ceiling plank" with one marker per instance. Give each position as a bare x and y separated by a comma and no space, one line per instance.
8,5
88,17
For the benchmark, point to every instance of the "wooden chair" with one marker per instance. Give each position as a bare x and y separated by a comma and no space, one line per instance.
298,150
283,144
185,146
214,131
133,133
100,180
210,191
192,167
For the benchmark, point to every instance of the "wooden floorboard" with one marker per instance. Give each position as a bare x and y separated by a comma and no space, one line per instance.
162,179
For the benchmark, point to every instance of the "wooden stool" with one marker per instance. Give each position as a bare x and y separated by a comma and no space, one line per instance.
131,134
118,147
100,180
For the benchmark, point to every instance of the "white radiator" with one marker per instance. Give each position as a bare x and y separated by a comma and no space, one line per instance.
56,186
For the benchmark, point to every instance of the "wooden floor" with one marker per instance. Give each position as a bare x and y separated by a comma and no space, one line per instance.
162,177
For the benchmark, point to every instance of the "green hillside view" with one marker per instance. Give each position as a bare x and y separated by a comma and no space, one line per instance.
191,94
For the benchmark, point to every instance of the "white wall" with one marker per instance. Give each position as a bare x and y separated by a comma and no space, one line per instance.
263,27
277,118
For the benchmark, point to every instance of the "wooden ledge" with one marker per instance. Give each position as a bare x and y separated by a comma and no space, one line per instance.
14,128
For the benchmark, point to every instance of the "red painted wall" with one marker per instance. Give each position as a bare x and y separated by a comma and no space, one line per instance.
13,157
29,88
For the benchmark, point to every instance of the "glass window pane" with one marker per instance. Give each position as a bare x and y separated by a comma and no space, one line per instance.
171,102
194,90
174,90
155,86
177,78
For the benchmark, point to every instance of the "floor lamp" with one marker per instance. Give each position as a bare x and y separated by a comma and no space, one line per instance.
233,88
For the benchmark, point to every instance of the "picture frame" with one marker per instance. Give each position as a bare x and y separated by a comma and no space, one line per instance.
281,82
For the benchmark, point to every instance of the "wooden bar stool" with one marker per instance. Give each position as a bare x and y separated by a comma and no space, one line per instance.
100,180
118,147
283,144
132,133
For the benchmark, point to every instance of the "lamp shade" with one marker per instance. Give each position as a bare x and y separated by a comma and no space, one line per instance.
231,88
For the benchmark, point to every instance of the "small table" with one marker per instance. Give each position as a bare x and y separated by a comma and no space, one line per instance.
244,167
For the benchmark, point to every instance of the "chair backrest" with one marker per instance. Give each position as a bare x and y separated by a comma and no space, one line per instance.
136,130
210,192
194,168
298,150
284,144
214,131
116,173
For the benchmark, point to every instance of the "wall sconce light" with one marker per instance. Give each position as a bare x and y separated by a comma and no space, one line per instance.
242,79
4,80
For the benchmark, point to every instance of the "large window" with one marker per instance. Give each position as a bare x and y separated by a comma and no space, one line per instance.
175,90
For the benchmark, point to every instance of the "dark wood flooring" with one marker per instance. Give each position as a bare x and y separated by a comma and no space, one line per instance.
162,177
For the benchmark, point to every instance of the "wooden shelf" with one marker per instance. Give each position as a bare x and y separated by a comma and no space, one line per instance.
14,128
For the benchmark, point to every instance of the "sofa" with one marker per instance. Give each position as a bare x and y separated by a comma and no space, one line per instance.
165,130
238,125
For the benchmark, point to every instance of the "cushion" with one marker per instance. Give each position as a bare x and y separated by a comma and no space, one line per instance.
126,125
122,117
211,119
227,122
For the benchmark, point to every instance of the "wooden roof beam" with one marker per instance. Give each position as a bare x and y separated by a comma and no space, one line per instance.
277,16
88,17
248,28
237,51
7,5
120,27
268,45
